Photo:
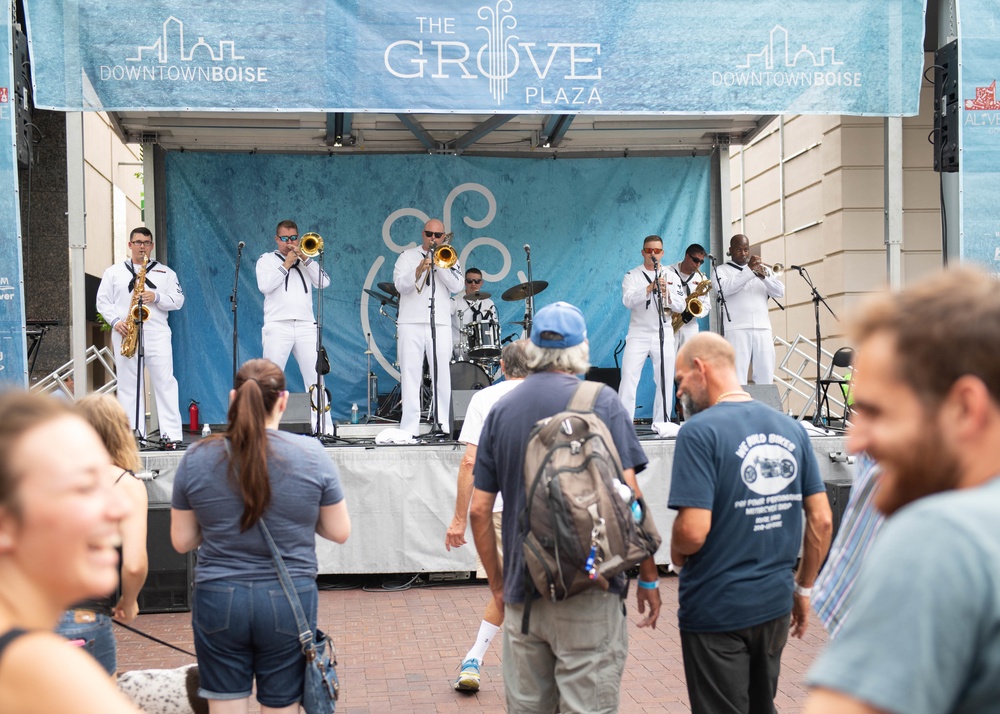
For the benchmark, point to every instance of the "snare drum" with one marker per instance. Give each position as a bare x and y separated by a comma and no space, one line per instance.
484,339
465,375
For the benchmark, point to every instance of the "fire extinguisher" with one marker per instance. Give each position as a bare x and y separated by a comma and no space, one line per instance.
193,416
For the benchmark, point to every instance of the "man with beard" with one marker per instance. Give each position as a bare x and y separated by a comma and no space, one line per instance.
743,475
924,631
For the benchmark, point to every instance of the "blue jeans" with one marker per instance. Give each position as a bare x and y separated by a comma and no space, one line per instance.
96,632
245,630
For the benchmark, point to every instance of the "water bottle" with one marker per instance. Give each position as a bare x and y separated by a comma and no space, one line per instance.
206,430
637,511
354,413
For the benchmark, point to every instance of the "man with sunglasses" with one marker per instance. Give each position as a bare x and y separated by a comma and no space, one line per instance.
642,296
689,272
287,277
472,309
412,278
161,294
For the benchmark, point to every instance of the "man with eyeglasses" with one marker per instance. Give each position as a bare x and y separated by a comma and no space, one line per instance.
161,294
412,278
689,272
287,277
642,296
467,309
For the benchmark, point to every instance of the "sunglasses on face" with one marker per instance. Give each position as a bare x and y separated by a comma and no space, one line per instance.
472,281
286,239
653,251
433,234
697,261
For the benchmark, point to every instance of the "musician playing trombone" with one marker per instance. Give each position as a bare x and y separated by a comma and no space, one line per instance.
747,284
286,277
650,304
411,276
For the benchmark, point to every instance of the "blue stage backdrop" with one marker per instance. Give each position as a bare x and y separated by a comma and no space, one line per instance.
584,220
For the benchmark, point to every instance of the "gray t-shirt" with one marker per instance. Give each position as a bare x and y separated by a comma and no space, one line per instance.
303,478
924,632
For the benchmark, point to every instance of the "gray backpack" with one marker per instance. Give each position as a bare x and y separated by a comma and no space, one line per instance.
578,531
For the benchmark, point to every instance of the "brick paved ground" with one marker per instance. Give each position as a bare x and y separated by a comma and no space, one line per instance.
399,651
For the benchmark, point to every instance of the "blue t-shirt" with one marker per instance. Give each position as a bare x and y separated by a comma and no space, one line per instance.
751,466
502,445
924,632
303,478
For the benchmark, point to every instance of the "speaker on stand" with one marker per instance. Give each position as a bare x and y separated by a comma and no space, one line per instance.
168,585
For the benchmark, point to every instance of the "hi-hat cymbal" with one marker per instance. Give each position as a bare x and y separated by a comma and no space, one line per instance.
522,291
479,295
388,288
384,299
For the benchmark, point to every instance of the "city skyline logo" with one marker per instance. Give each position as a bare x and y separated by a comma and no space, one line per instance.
162,45
779,46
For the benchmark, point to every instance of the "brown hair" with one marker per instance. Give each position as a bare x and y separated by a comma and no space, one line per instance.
258,385
944,328
110,421
20,412
651,239
286,224
142,231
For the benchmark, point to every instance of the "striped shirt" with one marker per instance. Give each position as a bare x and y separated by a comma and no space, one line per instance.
832,593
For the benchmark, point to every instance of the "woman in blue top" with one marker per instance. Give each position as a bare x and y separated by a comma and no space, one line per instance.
243,626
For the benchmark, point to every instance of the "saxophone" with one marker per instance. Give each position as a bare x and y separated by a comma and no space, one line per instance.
131,339
693,307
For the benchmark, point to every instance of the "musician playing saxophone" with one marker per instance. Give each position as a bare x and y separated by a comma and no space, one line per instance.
160,294
690,276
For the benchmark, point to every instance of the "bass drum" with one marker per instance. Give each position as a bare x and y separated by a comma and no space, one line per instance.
465,376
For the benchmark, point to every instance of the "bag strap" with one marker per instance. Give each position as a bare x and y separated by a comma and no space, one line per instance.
585,397
305,632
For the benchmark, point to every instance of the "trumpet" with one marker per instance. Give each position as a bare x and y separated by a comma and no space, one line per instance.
311,244
777,269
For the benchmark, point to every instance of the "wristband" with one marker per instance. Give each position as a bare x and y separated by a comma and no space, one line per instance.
804,592
654,585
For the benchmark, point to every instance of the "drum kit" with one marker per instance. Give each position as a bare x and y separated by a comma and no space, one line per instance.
476,355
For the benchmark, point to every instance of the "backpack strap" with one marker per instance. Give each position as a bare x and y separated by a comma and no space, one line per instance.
585,397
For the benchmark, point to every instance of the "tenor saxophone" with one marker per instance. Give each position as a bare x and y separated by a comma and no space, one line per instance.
131,339
693,307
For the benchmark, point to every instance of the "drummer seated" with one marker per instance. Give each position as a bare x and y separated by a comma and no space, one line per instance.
474,314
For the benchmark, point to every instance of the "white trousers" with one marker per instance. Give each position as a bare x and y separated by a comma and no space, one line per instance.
753,346
414,342
158,359
284,337
638,346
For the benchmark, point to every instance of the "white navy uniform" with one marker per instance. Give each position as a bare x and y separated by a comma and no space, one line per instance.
643,339
289,320
749,328
478,310
688,284
114,297
414,334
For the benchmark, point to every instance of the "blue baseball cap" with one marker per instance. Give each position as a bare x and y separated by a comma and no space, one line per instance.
559,325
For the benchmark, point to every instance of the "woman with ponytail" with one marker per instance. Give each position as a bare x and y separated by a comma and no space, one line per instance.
244,630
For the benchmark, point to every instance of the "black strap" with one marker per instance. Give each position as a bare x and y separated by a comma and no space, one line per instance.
685,283
9,636
157,640
305,632
734,265
649,280
131,283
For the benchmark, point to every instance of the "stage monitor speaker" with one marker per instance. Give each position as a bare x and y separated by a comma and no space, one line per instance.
168,585
611,376
766,393
460,399
838,491
297,417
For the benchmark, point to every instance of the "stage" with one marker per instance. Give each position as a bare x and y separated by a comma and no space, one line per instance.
402,498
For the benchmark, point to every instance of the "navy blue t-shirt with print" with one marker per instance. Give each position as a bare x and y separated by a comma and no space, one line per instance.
751,466
502,445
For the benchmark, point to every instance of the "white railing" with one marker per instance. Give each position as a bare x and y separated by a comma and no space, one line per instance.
796,374
55,383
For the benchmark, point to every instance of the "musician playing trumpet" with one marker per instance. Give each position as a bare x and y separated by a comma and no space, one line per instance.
650,300
747,284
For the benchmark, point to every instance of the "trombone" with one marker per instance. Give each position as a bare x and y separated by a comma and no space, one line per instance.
311,244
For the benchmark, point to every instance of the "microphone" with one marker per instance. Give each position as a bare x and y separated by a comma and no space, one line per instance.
527,249
711,257
241,245
796,267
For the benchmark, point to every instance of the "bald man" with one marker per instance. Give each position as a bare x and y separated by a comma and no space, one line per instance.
746,285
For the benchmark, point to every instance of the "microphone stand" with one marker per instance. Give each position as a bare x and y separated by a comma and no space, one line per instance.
232,300
722,295
322,367
817,419
529,303
437,432
658,301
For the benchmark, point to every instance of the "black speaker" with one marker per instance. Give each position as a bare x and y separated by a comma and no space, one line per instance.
168,585
946,99
460,399
838,491
611,376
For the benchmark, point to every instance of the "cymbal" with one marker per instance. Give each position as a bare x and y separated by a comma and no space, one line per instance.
386,299
479,295
522,291
388,288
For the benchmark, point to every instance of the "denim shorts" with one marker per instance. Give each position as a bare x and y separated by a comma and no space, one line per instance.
245,630
96,632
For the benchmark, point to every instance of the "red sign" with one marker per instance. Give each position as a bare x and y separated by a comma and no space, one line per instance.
3,95
986,99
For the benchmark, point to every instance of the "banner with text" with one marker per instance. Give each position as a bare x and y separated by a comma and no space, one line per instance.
979,158
13,357
584,221
502,56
